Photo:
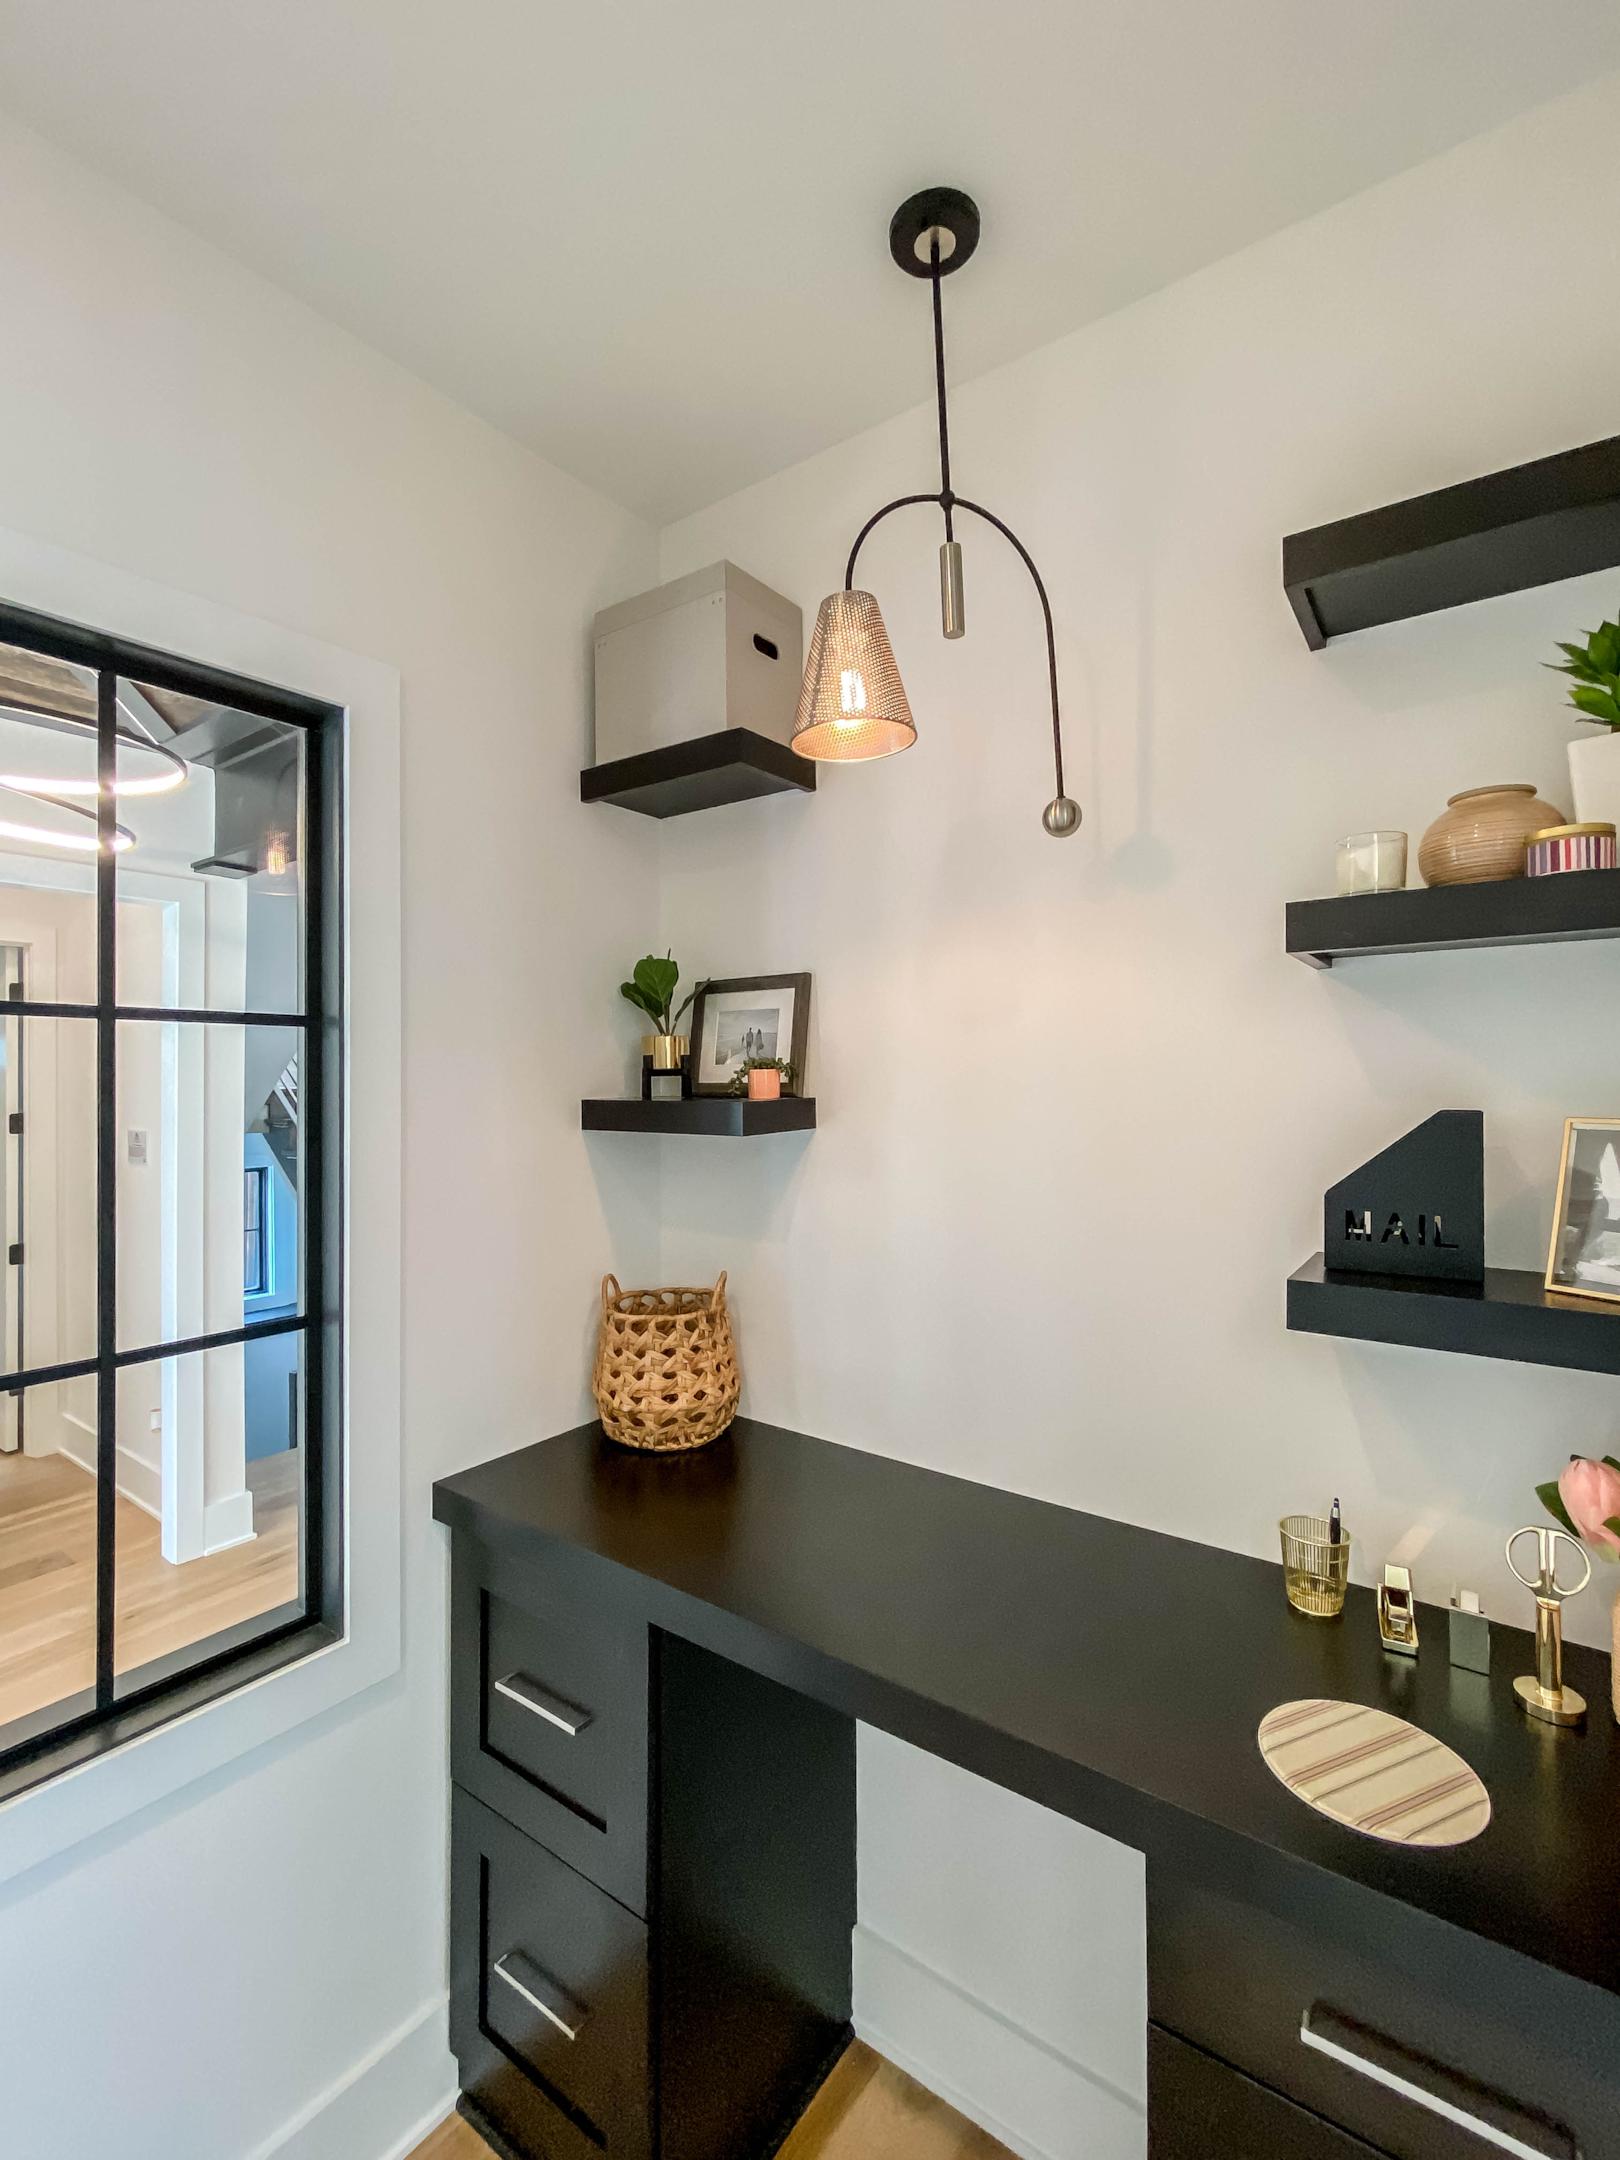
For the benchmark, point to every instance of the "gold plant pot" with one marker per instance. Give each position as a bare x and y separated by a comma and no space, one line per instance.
666,1051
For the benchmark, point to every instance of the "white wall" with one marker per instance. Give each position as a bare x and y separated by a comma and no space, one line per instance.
1077,1109
274,1935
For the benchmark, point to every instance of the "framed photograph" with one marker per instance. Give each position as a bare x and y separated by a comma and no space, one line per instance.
753,1016
1584,1258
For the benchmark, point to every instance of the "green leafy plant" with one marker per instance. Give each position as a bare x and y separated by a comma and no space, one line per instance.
738,1084
652,991
1595,666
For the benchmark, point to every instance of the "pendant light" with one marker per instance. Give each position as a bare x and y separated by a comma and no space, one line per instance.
852,705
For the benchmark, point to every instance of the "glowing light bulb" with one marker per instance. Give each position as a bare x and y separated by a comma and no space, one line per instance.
275,856
852,690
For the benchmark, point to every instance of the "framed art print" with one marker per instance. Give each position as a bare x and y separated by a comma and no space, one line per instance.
1584,1257
751,1016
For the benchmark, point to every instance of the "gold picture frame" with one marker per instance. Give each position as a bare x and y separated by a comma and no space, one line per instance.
1586,1213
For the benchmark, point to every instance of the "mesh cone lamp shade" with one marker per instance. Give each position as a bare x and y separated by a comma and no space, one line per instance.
853,703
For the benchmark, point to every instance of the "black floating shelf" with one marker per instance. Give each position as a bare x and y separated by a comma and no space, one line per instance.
733,766
1450,918
726,1117
1557,518
1510,1315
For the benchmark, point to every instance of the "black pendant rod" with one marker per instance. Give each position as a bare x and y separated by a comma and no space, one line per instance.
960,502
946,498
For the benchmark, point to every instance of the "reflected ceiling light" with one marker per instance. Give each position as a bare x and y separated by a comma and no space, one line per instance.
852,704
79,843
175,775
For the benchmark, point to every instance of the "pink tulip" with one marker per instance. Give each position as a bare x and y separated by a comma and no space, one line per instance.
1591,1492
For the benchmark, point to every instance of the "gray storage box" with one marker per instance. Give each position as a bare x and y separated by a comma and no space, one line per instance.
713,650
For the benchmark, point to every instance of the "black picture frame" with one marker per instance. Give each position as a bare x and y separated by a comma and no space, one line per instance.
799,985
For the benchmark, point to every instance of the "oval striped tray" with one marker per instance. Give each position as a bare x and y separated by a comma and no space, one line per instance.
1374,1773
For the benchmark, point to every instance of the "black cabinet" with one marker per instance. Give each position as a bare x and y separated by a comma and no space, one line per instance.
548,1999
1385,2031
1200,2108
657,1663
549,1713
653,1876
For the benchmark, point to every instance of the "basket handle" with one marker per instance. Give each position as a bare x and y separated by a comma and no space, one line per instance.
611,1293
717,1296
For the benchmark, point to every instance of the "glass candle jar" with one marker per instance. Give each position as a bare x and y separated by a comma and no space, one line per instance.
1372,862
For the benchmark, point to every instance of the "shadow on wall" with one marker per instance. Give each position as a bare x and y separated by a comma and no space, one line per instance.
1122,679
1451,1436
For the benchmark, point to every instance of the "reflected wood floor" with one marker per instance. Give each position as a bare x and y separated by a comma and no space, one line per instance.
867,2110
48,1577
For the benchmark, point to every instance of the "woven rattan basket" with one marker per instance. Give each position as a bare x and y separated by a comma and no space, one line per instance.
666,1367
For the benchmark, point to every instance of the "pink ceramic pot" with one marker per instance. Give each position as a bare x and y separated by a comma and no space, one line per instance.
764,1086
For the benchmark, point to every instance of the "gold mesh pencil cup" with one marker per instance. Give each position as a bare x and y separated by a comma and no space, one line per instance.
1315,1570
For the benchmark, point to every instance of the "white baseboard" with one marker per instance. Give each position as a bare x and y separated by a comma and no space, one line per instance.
383,2106
228,1521
1022,2091
141,1482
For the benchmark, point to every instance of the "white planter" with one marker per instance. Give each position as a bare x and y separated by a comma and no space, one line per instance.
1594,776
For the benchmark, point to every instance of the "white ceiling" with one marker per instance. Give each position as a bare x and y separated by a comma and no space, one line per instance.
649,237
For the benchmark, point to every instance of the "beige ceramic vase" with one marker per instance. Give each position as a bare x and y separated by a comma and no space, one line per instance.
1482,833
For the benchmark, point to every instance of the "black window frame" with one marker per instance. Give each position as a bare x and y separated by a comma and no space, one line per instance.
256,1179
66,1734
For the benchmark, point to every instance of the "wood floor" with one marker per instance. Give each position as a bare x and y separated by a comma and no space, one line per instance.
867,2110
48,1571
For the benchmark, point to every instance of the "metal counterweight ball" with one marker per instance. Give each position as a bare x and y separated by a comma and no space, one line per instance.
1061,817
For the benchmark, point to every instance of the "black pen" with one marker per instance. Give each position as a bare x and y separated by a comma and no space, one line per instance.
1335,1528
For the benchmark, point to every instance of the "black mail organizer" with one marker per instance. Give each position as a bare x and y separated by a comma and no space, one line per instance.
657,1667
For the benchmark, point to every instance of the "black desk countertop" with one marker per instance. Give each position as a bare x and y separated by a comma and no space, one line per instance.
1113,1673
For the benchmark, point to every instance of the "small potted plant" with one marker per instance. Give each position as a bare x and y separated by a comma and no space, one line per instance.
763,1079
666,1068
1594,760
1585,1500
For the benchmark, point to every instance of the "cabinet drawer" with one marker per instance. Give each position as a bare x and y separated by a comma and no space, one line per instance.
1201,2109
1384,2029
549,1712
548,1996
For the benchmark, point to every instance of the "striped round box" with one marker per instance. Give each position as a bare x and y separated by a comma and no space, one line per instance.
1374,1773
1569,847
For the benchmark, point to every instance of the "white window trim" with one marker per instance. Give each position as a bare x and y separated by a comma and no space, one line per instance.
49,1819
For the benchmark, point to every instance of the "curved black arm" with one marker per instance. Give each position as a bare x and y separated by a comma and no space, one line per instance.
1007,533
948,502
900,502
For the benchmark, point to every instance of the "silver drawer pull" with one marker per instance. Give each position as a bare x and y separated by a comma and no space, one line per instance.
542,1993
1486,2114
555,1709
